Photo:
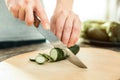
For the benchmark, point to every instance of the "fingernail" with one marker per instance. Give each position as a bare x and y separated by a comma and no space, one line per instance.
47,26
68,45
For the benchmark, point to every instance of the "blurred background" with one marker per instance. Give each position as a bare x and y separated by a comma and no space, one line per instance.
91,9
14,32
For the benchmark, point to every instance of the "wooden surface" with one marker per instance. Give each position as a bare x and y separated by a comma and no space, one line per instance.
13,51
102,65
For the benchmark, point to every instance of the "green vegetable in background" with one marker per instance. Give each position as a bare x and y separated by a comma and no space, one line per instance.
101,30
113,30
96,33
89,23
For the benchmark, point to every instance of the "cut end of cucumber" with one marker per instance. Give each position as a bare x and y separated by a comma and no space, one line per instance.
54,54
40,59
57,54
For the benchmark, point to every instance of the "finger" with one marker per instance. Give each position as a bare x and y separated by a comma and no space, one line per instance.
43,17
67,29
15,11
22,14
52,25
60,22
29,19
75,34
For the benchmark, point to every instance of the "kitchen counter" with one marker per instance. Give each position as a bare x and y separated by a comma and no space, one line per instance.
9,52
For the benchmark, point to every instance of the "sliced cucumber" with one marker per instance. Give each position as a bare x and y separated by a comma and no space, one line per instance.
49,59
32,58
57,54
75,49
40,59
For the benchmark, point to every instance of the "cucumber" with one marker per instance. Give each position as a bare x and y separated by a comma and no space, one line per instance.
49,59
40,59
32,58
75,49
57,54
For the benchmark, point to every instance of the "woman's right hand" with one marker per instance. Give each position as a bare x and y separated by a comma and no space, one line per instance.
24,10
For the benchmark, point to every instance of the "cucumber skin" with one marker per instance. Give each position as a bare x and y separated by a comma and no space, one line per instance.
75,49
60,54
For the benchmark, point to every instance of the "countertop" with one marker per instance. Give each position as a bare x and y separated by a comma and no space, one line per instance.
9,52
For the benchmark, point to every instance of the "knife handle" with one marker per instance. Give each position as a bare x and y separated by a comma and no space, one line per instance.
36,21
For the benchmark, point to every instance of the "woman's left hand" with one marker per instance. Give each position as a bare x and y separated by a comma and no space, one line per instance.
65,24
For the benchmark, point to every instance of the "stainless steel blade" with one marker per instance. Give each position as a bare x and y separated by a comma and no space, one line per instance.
57,43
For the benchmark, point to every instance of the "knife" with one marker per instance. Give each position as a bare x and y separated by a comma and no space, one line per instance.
57,43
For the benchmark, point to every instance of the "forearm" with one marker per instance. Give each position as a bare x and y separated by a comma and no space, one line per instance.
64,4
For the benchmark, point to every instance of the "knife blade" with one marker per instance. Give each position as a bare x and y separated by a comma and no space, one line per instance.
57,43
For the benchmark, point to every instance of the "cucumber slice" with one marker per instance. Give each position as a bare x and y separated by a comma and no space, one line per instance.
75,49
40,59
57,54
49,59
32,58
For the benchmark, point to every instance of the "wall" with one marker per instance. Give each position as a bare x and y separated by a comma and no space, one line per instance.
86,9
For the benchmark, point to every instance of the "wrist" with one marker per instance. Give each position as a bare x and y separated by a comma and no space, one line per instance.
64,5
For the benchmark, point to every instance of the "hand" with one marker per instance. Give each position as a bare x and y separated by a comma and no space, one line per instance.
66,26
24,9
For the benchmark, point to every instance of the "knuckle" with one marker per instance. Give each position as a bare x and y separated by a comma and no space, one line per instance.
27,1
71,12
13,9
77,16
20,5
